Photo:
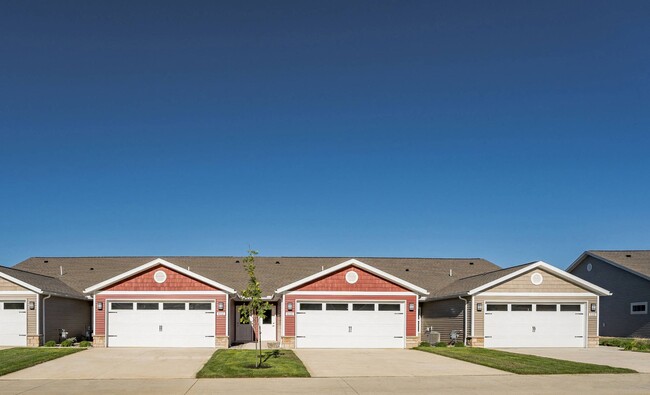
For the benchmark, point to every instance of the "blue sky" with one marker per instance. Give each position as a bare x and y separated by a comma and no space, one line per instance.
508,130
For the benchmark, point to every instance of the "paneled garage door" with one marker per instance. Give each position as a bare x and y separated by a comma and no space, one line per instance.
13,323
535,325
161,324
350,325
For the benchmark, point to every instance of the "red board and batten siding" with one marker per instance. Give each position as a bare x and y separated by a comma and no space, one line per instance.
144,282
367,282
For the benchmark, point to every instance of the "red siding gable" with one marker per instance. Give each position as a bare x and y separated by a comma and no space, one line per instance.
175,282
336,282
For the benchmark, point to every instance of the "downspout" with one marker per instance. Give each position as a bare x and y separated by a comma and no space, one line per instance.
464,320
44,299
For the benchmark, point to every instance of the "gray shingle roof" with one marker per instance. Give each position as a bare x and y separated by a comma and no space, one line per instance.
46,284
429,273
464,285
635,260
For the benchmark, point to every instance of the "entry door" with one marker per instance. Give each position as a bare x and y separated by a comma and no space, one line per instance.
268,326
243,332
13,323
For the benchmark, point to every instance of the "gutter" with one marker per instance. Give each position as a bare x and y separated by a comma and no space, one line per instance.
464,320
44,299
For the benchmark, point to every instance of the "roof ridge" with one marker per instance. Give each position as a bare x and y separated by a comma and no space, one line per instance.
258,256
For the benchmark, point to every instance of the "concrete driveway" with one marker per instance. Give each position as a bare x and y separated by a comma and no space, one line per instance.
612,356
121,363
386,363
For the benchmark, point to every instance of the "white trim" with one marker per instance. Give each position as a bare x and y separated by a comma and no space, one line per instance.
645,304
17,293
598,316
360,265
473,314
537,294
38,321
161,293
282,332
602,259
21,283
543,265
351,293
151,264
95,316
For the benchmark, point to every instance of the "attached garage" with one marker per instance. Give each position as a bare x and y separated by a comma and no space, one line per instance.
350,324
147,323
13,323
540,324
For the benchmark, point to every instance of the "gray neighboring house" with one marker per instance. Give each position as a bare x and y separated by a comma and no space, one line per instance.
34,307
626,273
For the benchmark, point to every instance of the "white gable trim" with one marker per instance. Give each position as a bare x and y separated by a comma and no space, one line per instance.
543,265
151,264
21,283
602,259
360,265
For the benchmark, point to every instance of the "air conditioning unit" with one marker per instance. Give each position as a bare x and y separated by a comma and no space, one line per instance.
432,337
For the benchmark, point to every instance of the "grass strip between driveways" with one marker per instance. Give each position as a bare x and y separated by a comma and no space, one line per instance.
13,359
241,363
521,363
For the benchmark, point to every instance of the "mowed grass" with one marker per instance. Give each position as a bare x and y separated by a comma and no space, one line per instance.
521,363
241,363
14,359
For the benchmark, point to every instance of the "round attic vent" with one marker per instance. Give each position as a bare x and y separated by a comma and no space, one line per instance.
160,276
536,278
589,267
351,277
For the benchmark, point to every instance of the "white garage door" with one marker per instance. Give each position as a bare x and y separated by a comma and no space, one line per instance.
161,324
350,325
535,325
13,323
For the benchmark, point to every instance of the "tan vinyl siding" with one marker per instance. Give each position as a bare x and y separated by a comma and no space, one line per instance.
6,285
442,316
522,283
73,315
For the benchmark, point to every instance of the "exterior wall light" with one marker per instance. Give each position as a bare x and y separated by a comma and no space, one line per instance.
479,307
100,306
220,306
411,306
289,306
32,305
593,307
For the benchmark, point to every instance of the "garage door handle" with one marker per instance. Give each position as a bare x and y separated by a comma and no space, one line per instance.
209,312
22,312
349,329
22,335
159,328
209,336
400,313
578,336
398,337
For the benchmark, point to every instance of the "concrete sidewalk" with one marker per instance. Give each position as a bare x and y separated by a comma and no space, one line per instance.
622,384
611,356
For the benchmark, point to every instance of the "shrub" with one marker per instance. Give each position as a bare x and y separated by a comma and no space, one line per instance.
459,344
425,344
50,343
67,343
441,344
85,343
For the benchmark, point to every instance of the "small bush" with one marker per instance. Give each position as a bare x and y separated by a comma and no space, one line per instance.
425,344
459,344
441,344
67,343
50,343
85,343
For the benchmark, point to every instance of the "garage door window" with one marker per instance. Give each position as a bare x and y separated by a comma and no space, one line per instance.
147,306
363,307
14,305
173,306
546,307
336,306
521,307
570,307
121,306
200,306
497,307
388,307
311,306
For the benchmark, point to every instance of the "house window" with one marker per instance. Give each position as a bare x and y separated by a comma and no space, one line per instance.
639,308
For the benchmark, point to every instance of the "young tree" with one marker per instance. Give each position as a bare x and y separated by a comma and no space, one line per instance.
255,308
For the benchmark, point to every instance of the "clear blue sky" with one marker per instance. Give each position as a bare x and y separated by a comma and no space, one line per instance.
508,130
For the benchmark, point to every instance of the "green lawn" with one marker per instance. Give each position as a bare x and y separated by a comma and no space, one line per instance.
13,359
520,363
241,363
628,344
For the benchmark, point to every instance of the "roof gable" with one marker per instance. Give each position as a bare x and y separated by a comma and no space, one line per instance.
636,262
353,263
147,266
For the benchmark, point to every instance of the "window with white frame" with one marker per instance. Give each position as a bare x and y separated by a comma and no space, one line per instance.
639,308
